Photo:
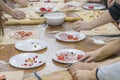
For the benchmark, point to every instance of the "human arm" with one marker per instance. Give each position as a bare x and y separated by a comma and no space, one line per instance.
103,52
82,25
107,72
14,13
23,3
113,14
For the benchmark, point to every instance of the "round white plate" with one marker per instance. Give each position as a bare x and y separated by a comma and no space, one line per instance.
30,45
27,60
70,36
95,6
68,55
47,6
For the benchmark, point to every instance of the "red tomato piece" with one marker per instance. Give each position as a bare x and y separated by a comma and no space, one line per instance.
43,9
91,7
79,56
49,10
76,38
70,36
60,57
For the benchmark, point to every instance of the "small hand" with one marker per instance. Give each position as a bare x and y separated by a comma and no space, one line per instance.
84,75
81,66
18,14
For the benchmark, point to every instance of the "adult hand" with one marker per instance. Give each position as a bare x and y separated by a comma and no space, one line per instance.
82,66
84,75
18,14
81,25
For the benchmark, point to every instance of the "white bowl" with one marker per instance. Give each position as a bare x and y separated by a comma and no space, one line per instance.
54,18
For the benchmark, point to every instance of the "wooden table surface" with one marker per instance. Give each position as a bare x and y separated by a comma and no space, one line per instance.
8,50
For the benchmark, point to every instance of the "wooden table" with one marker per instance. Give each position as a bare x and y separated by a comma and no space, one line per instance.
8,50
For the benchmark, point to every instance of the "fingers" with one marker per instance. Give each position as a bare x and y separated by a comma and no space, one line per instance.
85,58
2,77
19,15
76,26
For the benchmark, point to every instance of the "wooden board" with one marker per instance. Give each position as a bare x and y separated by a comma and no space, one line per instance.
13,75
61,75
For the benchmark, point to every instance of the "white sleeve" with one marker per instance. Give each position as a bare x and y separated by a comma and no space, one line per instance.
109,72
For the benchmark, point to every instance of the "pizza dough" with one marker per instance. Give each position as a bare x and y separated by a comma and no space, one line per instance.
102,29
7,39
90,15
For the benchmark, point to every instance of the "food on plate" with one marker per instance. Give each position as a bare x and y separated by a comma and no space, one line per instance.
68,56
21,35
65,36
35,44
31,61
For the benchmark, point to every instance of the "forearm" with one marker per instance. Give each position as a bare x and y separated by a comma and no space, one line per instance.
6,8
103,19
109,49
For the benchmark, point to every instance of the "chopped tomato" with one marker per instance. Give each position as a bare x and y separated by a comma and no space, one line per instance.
91,7
79,56
60,57
76,38
49,10
43,9
70,36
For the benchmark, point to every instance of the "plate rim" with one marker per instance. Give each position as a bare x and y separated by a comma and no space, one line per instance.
31,50
65,62
93,4
10,61
56,36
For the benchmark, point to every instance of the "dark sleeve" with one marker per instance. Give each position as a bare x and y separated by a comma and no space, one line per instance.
115,11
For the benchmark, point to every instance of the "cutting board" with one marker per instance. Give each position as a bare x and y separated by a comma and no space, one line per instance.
61,75
13,75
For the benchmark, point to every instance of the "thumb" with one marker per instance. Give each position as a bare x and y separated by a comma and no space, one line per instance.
85,57
90,59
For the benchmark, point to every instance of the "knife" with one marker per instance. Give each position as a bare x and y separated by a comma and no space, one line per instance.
37,76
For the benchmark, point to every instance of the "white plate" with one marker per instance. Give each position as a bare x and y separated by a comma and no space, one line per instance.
70,36
95,6
21,34
68,55
48,6
30,45
27,60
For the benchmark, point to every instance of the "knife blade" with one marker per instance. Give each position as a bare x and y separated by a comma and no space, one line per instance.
37,76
